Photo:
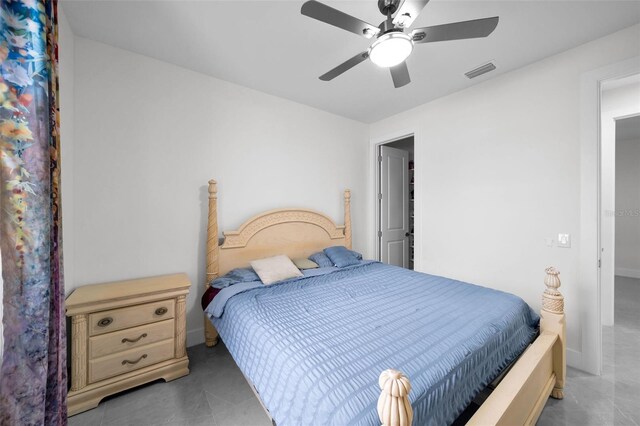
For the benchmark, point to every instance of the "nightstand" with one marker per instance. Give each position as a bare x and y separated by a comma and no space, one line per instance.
124,334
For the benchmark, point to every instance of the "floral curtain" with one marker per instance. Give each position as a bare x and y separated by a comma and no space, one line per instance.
34,383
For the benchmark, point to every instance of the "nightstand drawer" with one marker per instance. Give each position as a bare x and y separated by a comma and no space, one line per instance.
130,338
133,359
117,319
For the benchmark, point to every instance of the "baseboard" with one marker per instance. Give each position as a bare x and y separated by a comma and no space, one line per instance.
574,359
630,273
195,337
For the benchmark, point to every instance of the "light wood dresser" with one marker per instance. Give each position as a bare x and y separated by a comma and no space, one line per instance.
124,334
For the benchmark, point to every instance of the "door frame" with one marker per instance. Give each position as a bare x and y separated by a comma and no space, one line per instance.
589,358
383,225
375,190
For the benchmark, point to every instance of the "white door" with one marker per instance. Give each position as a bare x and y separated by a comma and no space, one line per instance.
394,206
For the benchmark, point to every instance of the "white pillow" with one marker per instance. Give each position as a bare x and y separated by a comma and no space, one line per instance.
274,269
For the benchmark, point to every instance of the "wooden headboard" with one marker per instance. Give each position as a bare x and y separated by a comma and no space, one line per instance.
294,232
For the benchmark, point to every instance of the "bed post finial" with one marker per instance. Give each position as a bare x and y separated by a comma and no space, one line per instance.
552,299
394,408
347,218
213,188
552,320
210,333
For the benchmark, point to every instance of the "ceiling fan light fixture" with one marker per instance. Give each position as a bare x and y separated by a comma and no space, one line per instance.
391,49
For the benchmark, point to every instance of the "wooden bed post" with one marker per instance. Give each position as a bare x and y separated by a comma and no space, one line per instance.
552,320
394,407
347,218
210,332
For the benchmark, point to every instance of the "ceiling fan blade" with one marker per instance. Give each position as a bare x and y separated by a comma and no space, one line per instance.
408,12
455,31
345,66
331,16
400,75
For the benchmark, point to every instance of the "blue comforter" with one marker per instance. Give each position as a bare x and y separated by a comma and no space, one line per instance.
314,347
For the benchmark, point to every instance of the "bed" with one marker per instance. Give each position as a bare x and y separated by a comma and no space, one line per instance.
319,349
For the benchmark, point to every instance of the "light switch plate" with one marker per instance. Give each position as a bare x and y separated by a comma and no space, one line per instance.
564,240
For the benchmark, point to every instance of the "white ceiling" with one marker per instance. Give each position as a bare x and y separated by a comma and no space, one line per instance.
271,47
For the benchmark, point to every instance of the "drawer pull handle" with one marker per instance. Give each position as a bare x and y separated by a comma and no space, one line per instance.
161,311
125,340
104,322
126,361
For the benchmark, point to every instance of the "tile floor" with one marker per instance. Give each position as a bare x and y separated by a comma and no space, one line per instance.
215,393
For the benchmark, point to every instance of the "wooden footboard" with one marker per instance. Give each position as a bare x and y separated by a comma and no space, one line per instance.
521,395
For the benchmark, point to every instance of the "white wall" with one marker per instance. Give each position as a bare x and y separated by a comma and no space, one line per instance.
497,172
628,207
615,103
149,136
66,65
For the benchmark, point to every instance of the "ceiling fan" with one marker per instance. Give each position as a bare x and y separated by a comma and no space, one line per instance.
392,45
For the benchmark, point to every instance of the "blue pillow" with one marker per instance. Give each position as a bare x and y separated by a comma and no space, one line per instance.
341,256
223,282
243,275
356,254
321,259
240,275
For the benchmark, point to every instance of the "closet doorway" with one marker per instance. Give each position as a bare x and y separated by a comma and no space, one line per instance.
395,203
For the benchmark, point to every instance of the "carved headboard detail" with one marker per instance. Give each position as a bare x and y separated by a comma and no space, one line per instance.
240,238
